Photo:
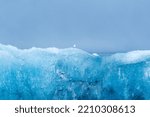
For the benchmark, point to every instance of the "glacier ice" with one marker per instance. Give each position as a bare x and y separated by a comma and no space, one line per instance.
72,73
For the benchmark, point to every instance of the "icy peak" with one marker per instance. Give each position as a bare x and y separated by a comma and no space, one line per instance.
133,56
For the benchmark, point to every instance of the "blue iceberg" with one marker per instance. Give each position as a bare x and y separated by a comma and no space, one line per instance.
73,74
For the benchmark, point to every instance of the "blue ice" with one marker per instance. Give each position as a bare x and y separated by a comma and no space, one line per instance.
72,73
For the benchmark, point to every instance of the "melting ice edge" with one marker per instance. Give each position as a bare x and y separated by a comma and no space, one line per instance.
73,74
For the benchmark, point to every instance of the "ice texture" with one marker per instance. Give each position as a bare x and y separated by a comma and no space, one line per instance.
72,73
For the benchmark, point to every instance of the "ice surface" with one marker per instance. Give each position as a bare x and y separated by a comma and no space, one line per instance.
72,73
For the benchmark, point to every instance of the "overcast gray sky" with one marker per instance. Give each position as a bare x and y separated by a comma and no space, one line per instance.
93,25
